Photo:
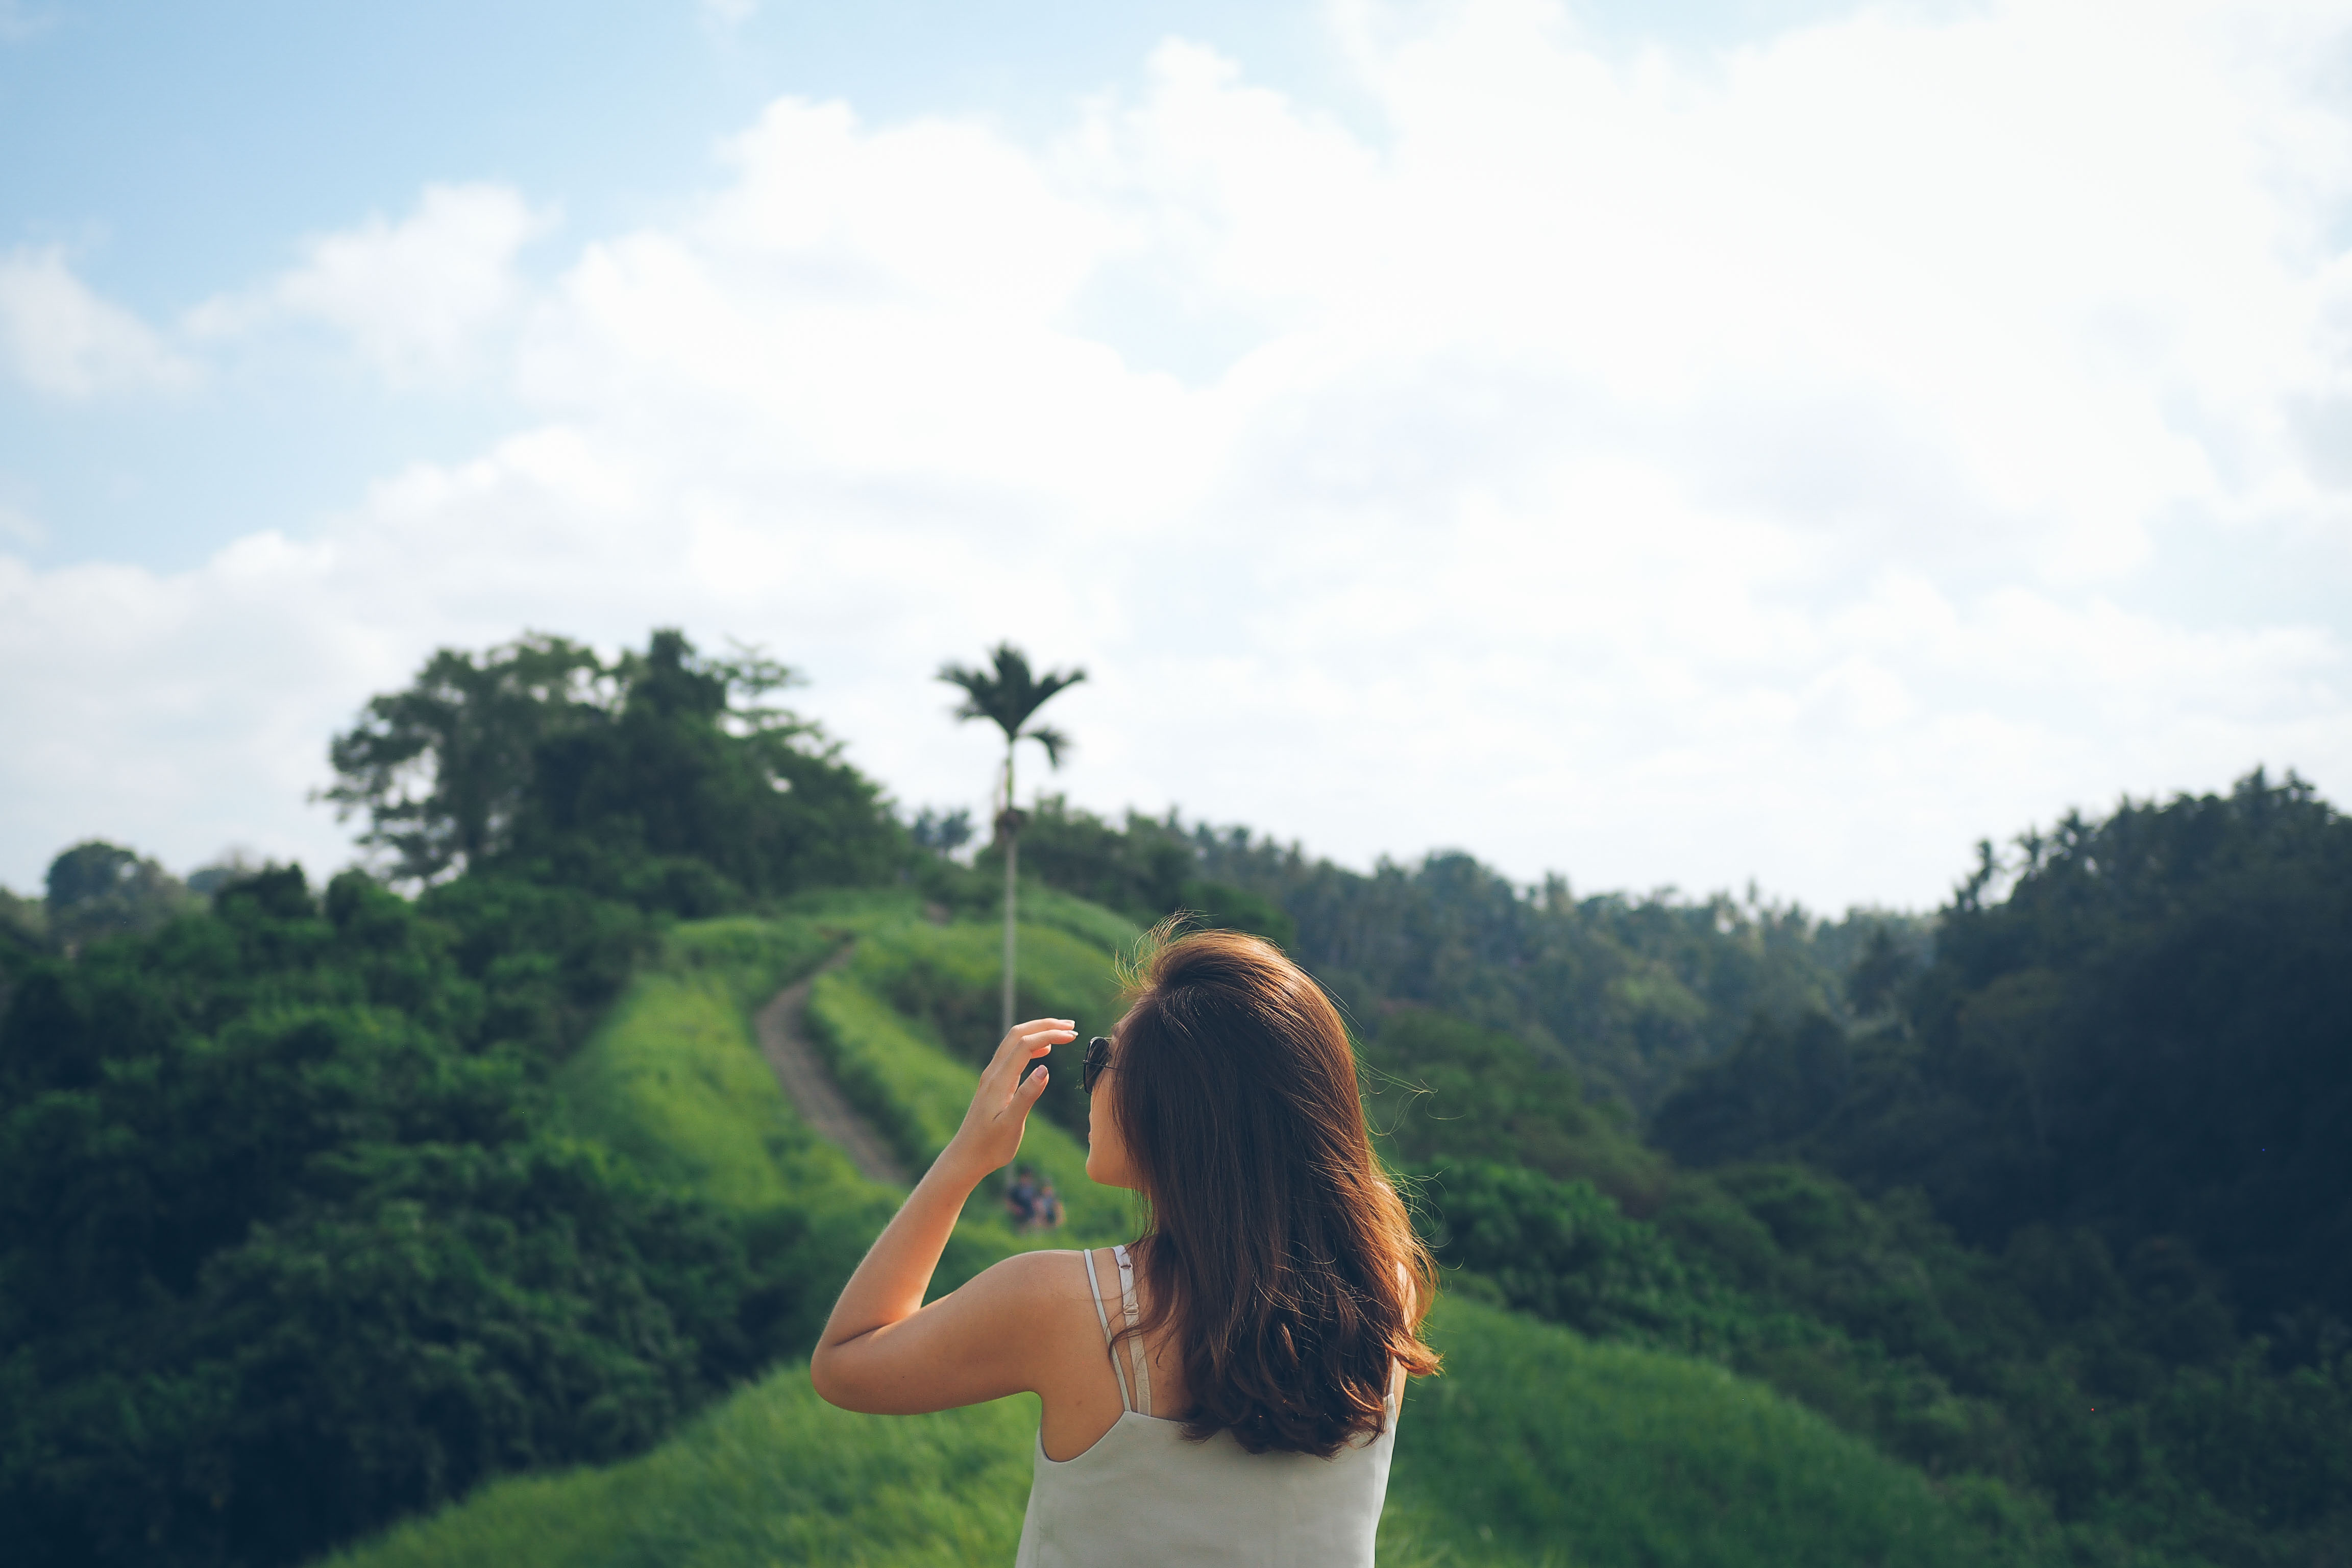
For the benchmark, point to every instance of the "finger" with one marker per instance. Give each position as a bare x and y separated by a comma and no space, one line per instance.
1002,1078
1034,1038
1014,1101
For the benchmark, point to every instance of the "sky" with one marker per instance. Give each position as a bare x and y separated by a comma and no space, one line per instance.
1694,445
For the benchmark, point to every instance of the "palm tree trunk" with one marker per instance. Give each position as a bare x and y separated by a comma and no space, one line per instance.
1012,857
1011,863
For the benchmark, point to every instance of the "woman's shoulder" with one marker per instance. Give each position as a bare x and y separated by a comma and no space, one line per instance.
1036,1299
1050,1275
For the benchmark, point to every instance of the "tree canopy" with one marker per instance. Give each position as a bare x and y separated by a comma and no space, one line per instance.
286,1247
2147,1036
666,776
100,889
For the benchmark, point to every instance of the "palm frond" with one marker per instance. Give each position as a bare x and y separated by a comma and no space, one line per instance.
1053,740
1007,695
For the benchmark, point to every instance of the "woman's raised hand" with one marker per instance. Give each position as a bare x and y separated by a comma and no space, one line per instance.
991,1133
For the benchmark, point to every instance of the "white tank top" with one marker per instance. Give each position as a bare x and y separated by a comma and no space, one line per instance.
1145,1493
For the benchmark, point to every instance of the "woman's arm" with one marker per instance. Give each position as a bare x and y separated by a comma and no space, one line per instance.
883,1350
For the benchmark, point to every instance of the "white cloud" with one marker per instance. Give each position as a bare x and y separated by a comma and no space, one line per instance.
419,300
64,341
1799,463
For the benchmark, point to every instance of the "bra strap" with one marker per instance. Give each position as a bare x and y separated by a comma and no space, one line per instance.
1088,1258
1134,1342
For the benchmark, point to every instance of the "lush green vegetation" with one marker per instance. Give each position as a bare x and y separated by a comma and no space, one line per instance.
2016,1234
2145,1039
290,1246
672,1079
775,1475
318,1211
1538,1445
667,778
1630,991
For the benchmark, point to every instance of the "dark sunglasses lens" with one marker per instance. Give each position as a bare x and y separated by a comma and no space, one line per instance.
1098,1058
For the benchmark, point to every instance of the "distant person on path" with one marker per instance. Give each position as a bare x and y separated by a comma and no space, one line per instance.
1225,1389
1021,1199
1049,1205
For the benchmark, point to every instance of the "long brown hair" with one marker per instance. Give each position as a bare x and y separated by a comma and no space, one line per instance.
1275,1245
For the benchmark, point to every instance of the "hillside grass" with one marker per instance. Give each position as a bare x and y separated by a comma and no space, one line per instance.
1089,923
951,975
1534,1446
673,1079
773,1476
1566,1449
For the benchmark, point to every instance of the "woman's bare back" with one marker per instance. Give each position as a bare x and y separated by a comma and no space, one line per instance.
1081,1393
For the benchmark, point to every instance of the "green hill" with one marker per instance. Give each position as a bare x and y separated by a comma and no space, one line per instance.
1535,1445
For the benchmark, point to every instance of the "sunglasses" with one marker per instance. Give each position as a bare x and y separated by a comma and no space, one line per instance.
1098,1059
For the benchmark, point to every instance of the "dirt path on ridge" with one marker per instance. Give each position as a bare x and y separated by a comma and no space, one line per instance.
808,1083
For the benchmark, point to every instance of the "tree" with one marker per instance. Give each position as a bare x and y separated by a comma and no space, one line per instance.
444,768
1009,698
942,833
667,778
98,889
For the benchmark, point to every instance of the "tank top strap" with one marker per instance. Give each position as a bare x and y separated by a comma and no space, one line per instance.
1140,1363
1087,1261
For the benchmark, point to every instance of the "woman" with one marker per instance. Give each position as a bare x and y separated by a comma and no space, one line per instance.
1226,1390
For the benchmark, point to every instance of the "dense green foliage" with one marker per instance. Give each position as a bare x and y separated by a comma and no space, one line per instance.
2147,1037
665,778
1628,991
2122,1398
100,889
287,1247
311,1219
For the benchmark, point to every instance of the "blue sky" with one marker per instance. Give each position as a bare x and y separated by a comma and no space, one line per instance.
1664,444
177,153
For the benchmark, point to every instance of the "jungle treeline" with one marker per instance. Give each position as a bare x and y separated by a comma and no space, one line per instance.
2049,1188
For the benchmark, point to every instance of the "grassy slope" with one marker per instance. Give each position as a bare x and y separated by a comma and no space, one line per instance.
773,1476
1539,1445
1535,1446
673,1079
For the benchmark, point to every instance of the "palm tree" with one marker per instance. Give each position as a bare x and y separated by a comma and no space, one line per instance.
1009,698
